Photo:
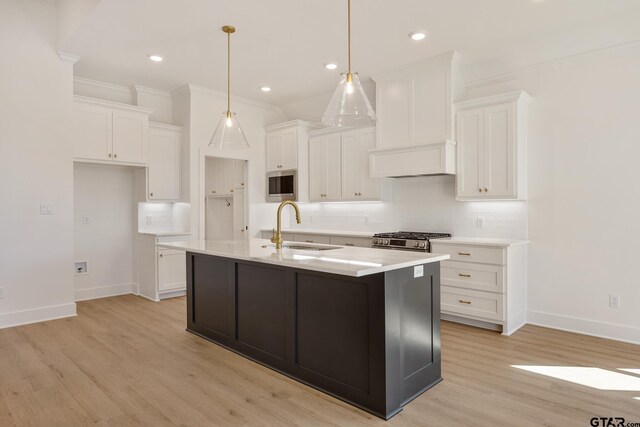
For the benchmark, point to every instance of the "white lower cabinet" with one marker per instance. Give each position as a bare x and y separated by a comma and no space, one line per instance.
483,285
162,273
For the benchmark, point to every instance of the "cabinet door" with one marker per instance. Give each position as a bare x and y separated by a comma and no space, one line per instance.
316,166
333,168
273,151
368,188
350,178
171,270
164,164
470,136
130,136
289,149
499,151
214,176
229,175
93,140
239,218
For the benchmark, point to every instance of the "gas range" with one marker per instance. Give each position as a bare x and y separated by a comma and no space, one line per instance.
409,240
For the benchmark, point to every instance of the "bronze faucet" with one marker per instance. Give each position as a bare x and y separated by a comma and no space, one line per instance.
277,235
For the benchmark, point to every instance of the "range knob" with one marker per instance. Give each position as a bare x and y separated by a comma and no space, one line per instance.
423,245
385,242
376,241
416,244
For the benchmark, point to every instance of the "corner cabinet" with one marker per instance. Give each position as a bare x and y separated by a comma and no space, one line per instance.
110,132
164,171
286,148
491,147
339,165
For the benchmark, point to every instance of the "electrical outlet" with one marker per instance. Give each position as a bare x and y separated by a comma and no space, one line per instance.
418,271
480,222
614,301
45,209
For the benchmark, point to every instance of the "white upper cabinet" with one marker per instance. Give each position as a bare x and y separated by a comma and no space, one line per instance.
491,144
111,132
287,148
324,168
357,183
339,165
164,171
223,177
415,126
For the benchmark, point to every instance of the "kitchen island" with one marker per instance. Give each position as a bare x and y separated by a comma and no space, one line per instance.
361,324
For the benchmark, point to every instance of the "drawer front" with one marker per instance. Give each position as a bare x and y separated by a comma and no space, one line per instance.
361,242
311,238
482,254
479,277
463,302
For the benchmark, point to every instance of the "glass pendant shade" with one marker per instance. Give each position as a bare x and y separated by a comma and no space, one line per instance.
228,134
349,105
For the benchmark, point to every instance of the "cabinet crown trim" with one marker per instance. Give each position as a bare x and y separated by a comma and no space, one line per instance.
413,147
111,104
288,125
515,96
426,65
165,126
330,130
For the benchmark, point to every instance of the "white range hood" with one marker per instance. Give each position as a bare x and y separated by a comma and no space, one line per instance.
416,118
436,158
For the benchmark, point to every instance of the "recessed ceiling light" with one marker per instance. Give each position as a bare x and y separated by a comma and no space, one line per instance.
330,66
156,58
265,89
417,35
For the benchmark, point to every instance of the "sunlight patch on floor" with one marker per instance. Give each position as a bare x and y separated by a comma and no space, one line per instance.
597,378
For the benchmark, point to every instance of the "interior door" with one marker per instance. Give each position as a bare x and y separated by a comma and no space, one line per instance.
470,136
499,151
130,136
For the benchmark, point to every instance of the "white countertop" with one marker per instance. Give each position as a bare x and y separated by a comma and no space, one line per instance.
342,233
165,233
480,241
347,261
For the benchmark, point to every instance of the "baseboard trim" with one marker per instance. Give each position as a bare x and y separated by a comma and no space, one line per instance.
106,291
35,315
578,325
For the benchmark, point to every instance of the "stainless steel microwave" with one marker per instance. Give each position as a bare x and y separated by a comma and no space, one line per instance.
282,185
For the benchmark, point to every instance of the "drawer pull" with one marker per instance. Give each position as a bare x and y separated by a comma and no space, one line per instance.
464,275
464,253
309,241
461,301
349,244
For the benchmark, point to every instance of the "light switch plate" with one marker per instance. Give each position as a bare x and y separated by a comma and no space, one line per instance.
418,271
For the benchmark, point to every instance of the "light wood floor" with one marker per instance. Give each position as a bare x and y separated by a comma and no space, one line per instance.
129,361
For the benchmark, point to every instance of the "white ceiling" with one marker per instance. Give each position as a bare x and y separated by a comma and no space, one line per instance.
284,43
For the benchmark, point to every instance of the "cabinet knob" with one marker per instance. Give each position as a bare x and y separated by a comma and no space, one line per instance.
151,194
355,194
161,255
109,155
480,190
486,189
115,156
242,183
213,191
231,190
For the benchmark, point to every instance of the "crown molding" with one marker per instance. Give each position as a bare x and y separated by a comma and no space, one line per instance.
235,98
289,124
509,76
151,91
515,96
112,104
68,57
165,126
102,85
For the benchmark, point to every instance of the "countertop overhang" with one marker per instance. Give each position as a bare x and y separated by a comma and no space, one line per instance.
346,261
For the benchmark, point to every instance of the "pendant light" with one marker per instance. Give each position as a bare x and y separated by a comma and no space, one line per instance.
349,105
228,134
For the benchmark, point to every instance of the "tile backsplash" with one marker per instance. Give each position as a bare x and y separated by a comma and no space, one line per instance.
163,217
420,204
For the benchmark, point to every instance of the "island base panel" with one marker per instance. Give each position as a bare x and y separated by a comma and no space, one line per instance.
372,341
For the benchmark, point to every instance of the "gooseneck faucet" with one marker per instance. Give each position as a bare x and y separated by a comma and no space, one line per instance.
277,235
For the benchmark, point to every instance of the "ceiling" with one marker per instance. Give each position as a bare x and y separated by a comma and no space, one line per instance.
284,43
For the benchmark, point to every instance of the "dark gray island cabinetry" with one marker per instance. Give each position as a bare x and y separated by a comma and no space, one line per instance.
371,340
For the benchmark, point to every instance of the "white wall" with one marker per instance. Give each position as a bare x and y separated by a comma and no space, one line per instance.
104,195
420,204
584,146
155,217
36,266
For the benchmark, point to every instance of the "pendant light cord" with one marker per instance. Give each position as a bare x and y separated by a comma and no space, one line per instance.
349,32
228,74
